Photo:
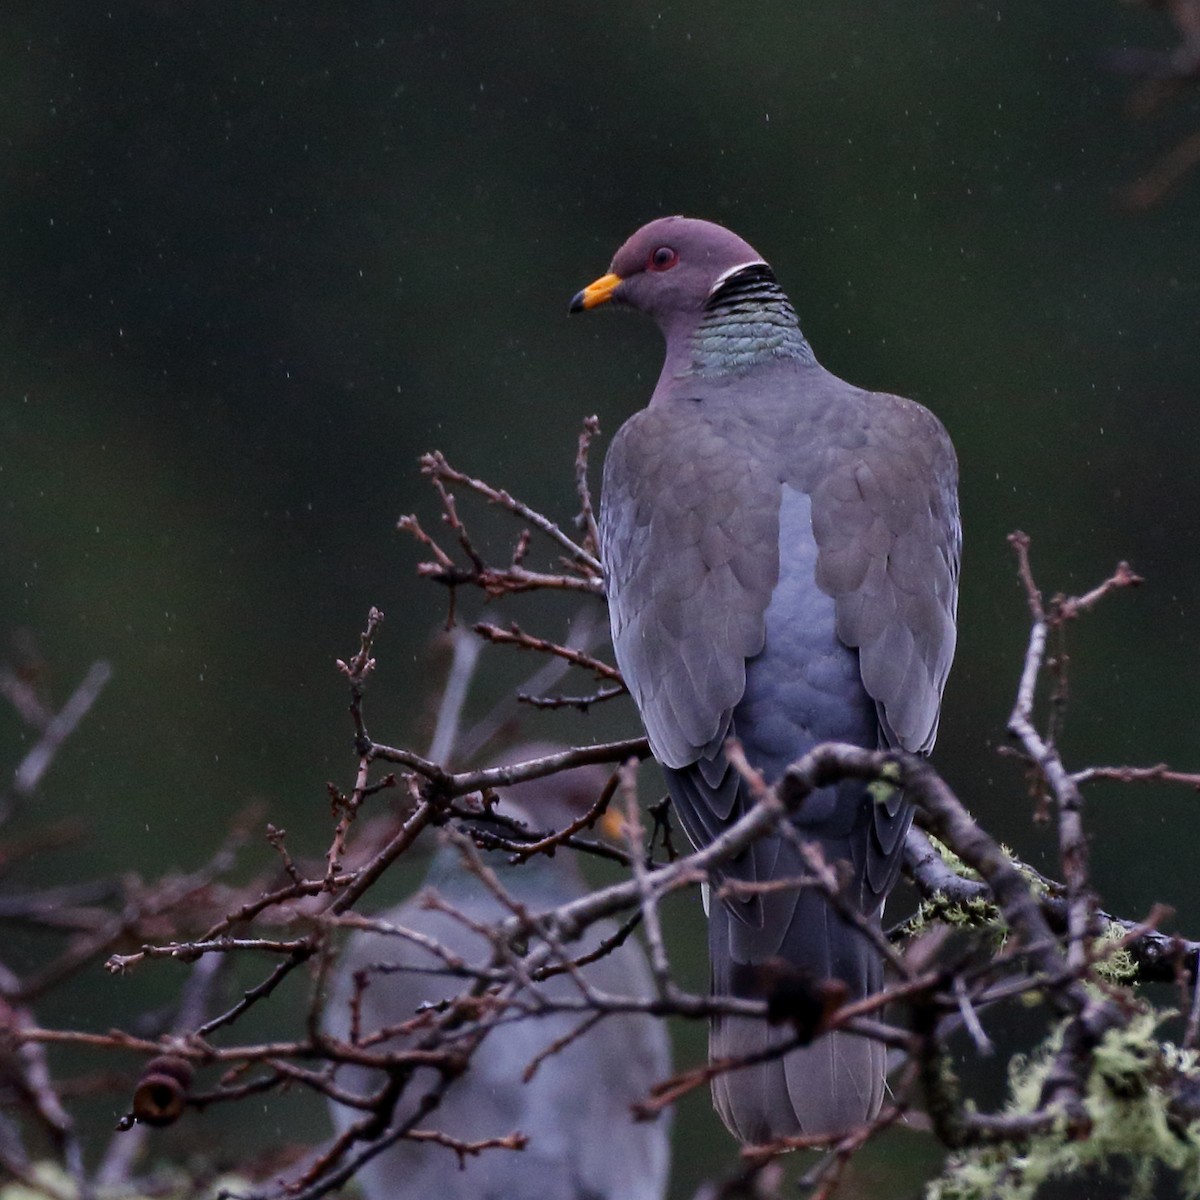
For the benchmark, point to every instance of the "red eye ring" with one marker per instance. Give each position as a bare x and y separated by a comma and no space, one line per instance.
662,259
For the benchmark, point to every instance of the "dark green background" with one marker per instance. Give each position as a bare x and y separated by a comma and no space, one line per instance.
255,258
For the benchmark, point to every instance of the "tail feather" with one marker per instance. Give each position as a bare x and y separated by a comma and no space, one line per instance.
832,1085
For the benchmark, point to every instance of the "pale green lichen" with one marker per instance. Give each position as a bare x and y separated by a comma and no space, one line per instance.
1114,962
45,1179
939,908
881,791
951,859
1127,1101
49,1181
977,913
1037,884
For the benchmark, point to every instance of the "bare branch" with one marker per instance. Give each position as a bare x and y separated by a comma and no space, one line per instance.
587,518
36,762
515,636
437,468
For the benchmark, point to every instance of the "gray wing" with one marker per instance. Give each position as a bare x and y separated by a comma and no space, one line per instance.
885,517
690,542
886,522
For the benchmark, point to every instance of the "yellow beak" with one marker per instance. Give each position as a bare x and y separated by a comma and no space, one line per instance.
612,824
596,293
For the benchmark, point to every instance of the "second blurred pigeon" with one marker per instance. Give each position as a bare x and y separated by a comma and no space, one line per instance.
584,1144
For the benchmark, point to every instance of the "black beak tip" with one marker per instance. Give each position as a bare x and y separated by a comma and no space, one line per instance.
576,305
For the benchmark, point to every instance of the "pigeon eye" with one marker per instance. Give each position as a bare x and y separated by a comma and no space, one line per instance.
662,259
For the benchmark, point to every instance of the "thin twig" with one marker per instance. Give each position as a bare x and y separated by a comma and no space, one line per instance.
587,517
437,468
515,636
37,761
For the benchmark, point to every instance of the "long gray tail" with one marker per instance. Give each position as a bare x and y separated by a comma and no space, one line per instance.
829,1086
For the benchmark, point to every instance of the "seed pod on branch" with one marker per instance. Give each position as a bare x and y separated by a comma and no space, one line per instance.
161,1093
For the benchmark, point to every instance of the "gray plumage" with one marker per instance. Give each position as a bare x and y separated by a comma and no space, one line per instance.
781,552
584,1144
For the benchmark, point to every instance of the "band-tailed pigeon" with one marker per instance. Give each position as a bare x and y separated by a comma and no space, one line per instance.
583,1141
781,555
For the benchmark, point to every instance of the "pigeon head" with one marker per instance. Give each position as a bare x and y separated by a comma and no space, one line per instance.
553,800
671,269
713,297
542,805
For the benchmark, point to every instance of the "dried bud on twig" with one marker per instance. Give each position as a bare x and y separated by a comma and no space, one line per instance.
161,1093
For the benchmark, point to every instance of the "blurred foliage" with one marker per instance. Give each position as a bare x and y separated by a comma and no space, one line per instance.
256,258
